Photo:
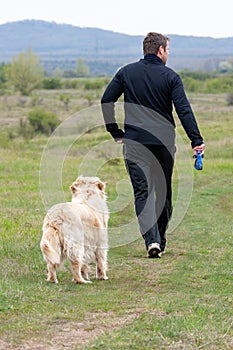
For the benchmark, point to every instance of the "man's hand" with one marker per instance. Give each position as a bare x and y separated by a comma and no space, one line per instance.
119,141
200,148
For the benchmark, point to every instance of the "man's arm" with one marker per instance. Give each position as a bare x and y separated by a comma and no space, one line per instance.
186,116
113,91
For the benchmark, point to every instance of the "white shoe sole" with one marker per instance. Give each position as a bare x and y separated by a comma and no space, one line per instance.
154,249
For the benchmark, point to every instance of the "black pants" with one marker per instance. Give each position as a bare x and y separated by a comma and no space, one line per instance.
150,168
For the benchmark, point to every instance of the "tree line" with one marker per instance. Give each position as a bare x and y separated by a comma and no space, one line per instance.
25,73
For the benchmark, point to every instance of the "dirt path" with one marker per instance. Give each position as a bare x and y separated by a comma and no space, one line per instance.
70,335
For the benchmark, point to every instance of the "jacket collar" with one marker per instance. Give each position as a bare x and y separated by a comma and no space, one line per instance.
152,57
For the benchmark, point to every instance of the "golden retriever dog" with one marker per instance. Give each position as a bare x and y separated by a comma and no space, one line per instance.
77,231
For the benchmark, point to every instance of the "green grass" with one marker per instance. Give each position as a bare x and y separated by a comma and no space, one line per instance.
182,301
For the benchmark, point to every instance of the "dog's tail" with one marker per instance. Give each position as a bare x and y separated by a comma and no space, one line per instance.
51,245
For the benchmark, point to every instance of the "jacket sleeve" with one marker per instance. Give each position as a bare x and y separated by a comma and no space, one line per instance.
184,112
113,91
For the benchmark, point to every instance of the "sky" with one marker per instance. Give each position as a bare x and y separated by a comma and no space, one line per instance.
197,18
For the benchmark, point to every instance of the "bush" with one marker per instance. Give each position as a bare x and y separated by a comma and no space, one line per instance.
70,84
222,84
207,82
95,84
193,85
196,75
66,100
52,84
26,130
43,121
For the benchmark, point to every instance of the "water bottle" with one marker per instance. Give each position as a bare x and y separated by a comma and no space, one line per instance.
198,164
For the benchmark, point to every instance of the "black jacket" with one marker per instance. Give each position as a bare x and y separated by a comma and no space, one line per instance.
150,89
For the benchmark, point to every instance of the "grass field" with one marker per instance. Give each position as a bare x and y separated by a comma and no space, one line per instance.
182,301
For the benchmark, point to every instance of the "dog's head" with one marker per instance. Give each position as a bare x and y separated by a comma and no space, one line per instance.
85,187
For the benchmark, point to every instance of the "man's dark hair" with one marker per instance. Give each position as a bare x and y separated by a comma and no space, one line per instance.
153,41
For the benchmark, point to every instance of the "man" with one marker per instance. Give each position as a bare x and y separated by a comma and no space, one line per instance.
150,90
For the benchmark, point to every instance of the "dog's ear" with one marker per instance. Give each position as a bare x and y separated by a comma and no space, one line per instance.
73,188
100,185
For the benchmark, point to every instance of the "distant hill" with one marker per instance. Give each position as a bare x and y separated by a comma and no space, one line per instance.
59,46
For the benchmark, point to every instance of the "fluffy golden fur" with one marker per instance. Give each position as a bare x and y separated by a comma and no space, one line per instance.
77,231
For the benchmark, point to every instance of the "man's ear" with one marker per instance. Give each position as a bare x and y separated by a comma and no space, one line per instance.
160,50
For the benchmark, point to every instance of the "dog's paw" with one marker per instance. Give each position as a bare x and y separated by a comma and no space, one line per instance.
81,281
103,278
52,280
